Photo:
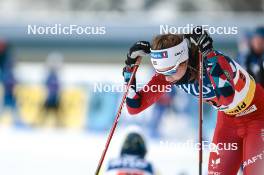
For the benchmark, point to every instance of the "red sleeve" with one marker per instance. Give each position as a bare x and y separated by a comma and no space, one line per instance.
148,95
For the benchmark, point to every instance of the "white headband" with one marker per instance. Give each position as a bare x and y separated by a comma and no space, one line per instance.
169,57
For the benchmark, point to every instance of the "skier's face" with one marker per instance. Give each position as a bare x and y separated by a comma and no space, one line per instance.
181,70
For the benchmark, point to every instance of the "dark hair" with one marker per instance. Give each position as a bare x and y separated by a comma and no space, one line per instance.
134,144
170,40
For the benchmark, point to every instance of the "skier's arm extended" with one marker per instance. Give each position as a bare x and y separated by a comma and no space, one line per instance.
150,93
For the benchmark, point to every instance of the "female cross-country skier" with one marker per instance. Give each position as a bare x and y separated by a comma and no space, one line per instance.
226,86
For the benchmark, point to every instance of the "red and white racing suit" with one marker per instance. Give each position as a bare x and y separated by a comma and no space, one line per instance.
240,104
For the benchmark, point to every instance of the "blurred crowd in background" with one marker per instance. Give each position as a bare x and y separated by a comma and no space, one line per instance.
47,81
48,101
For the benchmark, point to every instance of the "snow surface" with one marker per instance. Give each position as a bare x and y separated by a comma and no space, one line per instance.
64,152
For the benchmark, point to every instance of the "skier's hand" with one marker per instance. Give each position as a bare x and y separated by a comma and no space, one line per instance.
127,73
139,49
202,39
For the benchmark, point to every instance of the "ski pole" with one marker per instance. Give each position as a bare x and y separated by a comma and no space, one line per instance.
117,116
200,113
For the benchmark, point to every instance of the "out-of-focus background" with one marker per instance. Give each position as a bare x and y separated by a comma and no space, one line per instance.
53,119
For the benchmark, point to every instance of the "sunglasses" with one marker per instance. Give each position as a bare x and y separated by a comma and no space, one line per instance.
169,72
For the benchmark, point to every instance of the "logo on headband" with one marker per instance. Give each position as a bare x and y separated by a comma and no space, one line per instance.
179,53
159,55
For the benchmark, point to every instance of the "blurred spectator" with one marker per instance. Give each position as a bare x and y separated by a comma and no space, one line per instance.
164,104
132,157
243,46
4,55
254,60
52,102
9,83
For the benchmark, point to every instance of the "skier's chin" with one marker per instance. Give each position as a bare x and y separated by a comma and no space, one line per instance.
173,78
173,82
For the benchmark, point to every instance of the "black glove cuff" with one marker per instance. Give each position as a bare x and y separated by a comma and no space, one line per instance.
130,61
